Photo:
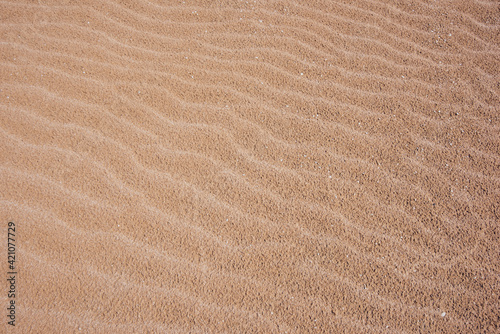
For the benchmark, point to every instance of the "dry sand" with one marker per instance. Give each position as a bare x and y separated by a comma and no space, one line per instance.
251,166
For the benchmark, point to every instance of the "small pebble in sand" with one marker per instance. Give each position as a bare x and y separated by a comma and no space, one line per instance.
443,314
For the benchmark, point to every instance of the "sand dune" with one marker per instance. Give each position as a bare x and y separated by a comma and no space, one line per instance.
251,166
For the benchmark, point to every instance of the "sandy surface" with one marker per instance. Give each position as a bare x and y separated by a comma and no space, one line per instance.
251,166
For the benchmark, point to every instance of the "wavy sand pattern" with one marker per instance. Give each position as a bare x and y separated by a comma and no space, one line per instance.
252,166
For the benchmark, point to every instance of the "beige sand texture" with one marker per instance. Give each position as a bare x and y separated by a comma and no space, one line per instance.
251,166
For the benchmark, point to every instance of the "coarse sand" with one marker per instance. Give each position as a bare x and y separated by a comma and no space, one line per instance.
250,166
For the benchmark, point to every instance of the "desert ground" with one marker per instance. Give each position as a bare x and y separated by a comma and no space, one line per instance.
250,166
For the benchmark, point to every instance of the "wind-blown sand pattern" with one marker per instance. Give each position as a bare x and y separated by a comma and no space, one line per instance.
251,166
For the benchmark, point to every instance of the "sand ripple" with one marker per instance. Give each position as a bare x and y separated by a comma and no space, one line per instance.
262,167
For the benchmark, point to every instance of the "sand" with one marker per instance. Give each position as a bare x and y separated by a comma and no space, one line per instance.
251,166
